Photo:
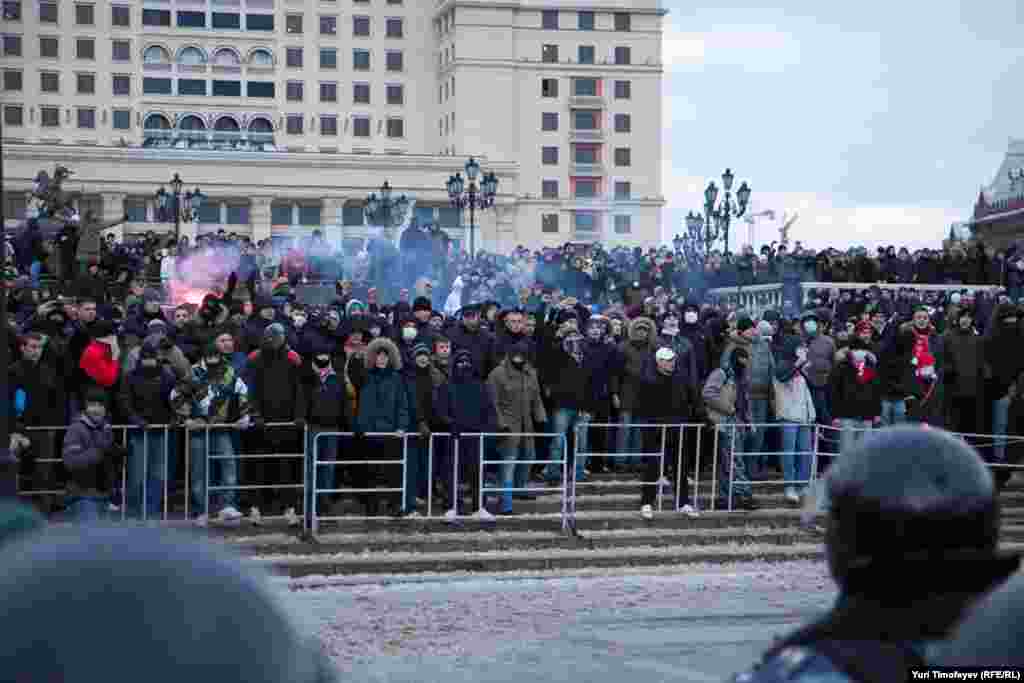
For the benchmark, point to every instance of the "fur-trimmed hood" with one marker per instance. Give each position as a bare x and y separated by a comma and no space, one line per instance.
637,322
381,344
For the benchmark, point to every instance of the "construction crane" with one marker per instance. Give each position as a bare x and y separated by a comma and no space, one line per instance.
750,218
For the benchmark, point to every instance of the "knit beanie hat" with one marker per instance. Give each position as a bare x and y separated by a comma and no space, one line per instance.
274,330
421,303
744,324
420,349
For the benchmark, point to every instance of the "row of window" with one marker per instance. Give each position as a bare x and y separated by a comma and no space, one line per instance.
584,119
587,188
585,21
85,83
394,93
587,154
587,87
327,125
394,60
49,47
394,27
622,55
584,222
49,117
198,87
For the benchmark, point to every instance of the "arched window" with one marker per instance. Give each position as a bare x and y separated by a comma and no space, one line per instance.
157,122
191,56
261,57
157,131
225,57
191,122
155,54
260,125
226,124
261,132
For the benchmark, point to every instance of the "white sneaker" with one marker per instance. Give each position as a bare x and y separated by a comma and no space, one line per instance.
255,517
483,515
113,508
689,511
664,482
451,516
202,521
791,495
647,512
413,515
229,514
292,518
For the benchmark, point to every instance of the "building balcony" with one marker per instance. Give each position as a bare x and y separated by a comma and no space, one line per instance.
191,68
213,140
595,135
588,101
587,169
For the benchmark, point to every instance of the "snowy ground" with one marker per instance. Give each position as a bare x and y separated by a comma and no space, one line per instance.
695,623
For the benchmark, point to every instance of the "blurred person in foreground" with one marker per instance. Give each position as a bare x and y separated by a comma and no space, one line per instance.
74,595
911,539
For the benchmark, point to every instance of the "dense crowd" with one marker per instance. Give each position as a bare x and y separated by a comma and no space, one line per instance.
419,339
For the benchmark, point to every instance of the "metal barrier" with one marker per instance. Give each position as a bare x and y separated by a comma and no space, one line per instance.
741,429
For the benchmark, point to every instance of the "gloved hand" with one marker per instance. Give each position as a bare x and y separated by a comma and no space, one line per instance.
360,436
424,431
300,423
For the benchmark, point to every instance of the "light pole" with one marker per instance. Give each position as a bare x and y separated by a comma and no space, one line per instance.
696,243
727,209
472,197
385,210
168,202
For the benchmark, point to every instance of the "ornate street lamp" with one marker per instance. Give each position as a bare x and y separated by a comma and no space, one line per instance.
698,240
719,217
384,210
475,196
183,207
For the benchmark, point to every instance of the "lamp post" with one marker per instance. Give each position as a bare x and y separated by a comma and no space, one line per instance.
720,216
473,196
168,202
385,210
700,236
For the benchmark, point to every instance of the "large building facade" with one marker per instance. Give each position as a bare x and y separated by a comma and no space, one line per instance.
288,113
998,218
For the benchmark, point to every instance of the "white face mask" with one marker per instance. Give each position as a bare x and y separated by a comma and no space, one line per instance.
299,320
409,333
690,317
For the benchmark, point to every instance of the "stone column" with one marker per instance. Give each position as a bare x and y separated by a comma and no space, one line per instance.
113,209
330,211
259,218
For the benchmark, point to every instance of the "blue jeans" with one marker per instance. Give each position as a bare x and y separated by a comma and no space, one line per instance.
564,421
754,441
629,440
796,449
149,453
36,272
86,509
740,481
894,412
220,444
415,472
1000,424
513,474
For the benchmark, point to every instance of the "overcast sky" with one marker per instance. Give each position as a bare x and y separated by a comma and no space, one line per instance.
876,121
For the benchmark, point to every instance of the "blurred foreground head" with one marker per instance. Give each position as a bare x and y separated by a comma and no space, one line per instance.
120,604
990,635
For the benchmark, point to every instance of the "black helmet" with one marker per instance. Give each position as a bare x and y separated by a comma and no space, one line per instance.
990,634
907,500
106,604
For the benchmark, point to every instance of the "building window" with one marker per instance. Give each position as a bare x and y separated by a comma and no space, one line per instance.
135,209
328,125
549,222
49,48
393,28
48,12
156,86
191,19
586,188
259,22
12,10
328,58
293,23
623,90
622,156
549,87
280,214
85,48
293,91
12,81
12,45
85,15
585,54
623,190
623,123
227,88
622,21
623,55
396,128
549,156
361,60
585,21
393,60
120,16
122,119
121,85
121,51
328,26
86,117
584,87
584,222
49,117
227,20
192,87
585,119
549,19
328,92
549,121
309,215
238,214
293,124
585,154
549,189
623,225
361,27
395,94
360,126
156,17
86,84
549,54
263,89
361,93
293,57
49,81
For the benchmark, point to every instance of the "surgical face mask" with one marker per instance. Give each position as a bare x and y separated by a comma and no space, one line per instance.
690,317
594,333
518,360
148,362
811,327
298,320
375,332
409,333
267,313
670,330
96,411
859,355
213,360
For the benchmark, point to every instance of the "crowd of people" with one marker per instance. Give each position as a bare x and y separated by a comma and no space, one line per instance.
213,345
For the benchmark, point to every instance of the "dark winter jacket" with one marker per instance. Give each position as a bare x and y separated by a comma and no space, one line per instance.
666,399
273,378
856,394
384,398
145,396
86,457
322,402
464,405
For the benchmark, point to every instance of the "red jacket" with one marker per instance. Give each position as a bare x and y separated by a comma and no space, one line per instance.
99,364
